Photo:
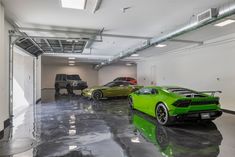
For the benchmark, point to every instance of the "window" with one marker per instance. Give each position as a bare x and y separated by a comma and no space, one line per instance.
73,77
147,91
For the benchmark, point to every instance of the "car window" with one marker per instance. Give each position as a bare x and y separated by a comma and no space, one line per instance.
111,84
147,91
118,79
57,77
129,79
73,77
60,77
63,77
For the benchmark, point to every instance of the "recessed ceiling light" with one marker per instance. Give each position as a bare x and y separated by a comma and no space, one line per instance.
73,4
225,23
135,55
71,58
72,62
161,45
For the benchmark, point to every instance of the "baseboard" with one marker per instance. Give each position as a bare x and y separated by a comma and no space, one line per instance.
7,123
38,101
47,88
1,134
228,111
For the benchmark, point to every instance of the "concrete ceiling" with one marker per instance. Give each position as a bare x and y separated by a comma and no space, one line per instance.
144,18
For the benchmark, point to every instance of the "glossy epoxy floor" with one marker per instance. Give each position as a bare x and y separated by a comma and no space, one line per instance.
76,127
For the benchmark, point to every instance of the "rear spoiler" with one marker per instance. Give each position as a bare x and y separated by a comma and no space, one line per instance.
210,92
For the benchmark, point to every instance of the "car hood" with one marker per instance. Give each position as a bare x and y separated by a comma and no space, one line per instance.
77,81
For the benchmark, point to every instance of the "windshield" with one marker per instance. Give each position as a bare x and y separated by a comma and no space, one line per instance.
115,84
110,84
73,77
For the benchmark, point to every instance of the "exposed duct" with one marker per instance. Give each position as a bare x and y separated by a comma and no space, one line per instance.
220,13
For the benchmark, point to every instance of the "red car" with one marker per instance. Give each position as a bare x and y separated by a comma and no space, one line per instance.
128,79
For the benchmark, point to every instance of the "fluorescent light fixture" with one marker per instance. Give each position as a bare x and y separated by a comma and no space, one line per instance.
161,45
225,23
71,58
128,64
73,4
135,55
72,62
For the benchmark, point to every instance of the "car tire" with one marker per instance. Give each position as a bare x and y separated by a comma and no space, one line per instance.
130,102
97,95
69,89
162,114
57,88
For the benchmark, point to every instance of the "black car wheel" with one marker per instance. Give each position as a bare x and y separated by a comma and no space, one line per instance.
57,89
97,95
162,114
69,89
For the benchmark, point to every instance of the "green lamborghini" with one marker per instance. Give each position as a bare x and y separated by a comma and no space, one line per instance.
111,89
169,104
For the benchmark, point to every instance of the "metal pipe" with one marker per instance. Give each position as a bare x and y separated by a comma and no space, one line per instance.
222,13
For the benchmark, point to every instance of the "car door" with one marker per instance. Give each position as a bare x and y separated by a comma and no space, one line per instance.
113,90
125,89
147,98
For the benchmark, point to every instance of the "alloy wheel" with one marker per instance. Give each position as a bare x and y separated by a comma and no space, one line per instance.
162,114
97,95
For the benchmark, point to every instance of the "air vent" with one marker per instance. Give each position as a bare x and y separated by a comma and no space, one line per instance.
207,15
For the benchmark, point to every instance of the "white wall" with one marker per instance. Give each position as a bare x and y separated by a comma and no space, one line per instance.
109,73
4,63
210,67
2,76
86,72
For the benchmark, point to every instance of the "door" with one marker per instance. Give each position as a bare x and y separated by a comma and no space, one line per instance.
147,98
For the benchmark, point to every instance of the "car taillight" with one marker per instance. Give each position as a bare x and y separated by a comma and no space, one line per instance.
182,103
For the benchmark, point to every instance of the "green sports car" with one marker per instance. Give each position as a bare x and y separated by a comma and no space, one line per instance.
169,104
112,89
181,140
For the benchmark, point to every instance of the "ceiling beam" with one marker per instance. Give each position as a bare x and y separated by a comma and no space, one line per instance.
85,33
48,44
61,46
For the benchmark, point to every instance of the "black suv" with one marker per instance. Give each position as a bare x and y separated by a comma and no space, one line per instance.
69,82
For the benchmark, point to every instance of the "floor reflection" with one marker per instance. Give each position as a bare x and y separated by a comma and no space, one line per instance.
182,140
72,126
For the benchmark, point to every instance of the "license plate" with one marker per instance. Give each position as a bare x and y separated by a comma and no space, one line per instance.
205,116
